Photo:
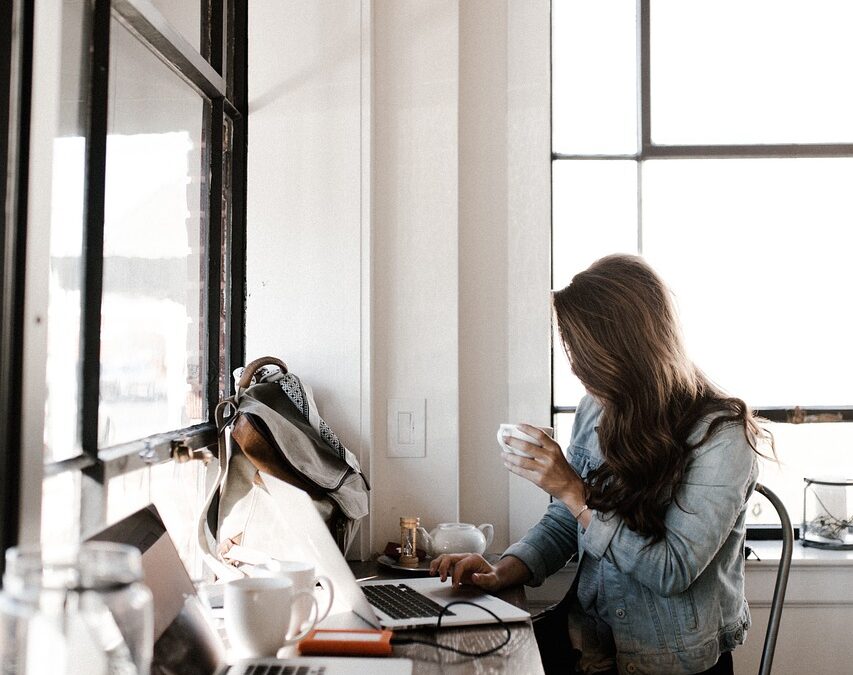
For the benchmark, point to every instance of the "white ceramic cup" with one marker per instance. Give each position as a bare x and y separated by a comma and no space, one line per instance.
513,431
259,613
304,579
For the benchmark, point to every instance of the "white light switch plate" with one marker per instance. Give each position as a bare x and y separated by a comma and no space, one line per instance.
406,427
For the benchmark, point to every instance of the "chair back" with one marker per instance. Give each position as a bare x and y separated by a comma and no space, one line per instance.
781,580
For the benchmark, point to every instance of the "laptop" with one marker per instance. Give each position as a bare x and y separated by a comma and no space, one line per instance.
185,640
403,603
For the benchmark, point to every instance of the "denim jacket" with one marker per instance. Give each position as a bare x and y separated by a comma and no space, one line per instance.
678,603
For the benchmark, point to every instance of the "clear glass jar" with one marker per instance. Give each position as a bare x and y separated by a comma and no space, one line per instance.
77,611
828,513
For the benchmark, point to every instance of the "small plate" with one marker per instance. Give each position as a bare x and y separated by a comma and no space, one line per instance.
421,569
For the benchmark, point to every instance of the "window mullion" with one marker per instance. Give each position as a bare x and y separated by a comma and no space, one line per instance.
640,207
236,309
213,16
93,243
16,56
93,492
143,18
644,66
749,151
197,442
214,121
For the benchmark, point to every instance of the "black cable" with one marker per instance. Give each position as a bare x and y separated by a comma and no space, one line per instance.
748,551
462,652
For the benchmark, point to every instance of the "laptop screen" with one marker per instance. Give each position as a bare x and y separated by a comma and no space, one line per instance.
185,642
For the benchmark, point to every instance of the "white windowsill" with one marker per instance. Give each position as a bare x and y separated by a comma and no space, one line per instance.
769,552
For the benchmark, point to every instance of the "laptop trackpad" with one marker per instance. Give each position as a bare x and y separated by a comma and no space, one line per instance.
446,593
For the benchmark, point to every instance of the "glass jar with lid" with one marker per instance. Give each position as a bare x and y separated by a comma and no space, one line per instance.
84,610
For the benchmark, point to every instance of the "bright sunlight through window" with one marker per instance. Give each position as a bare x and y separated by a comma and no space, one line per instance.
730,171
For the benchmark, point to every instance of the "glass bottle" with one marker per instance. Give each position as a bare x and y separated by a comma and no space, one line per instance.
76,611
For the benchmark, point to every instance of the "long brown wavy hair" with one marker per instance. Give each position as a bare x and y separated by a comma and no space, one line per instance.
620,331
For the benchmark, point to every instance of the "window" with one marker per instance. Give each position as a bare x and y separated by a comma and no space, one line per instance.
146,249
729,170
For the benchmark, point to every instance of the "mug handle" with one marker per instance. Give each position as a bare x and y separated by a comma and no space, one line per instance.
326,583
312,623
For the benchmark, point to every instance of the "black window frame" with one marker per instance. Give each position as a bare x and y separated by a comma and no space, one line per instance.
648,150
219,71
16,57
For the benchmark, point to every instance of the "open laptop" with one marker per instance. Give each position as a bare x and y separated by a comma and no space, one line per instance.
185,640
418,601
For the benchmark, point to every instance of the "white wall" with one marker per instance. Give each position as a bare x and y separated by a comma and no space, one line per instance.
420,285
484,257
415,255
529,236
304,272
304,197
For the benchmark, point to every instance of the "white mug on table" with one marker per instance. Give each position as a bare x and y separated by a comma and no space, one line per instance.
304,579
259,612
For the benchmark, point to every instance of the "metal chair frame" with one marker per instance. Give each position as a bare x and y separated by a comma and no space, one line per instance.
781,580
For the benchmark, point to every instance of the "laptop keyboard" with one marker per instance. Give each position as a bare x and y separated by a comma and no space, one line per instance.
399,601
284,670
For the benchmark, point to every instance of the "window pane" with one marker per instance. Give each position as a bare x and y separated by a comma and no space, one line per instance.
153,327
61,439
594,214
805,451
176,489
757,252
185,17
751,71
594,77
178,492
563,429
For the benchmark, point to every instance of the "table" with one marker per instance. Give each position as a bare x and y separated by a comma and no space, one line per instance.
519,657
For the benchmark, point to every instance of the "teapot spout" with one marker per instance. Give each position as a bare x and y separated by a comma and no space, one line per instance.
426,540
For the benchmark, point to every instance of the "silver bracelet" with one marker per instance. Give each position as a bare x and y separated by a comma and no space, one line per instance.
578,514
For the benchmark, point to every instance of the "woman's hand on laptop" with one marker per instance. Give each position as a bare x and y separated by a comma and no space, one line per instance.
473,569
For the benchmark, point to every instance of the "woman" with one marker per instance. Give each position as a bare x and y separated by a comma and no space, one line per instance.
653,496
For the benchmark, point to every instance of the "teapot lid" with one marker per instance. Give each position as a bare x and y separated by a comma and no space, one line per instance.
460,526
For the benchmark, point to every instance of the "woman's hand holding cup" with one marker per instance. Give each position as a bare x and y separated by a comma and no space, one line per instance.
542,462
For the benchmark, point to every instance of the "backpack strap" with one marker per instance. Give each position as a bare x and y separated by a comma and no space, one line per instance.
253,366
225,410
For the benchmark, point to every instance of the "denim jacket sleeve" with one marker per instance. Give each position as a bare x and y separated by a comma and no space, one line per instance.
719,479
549,544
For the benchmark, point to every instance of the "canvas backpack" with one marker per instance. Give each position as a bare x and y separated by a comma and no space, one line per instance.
270,430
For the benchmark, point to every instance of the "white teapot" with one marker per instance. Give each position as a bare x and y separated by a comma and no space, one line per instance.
456,538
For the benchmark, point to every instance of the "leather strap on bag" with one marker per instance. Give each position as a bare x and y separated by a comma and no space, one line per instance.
253,366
